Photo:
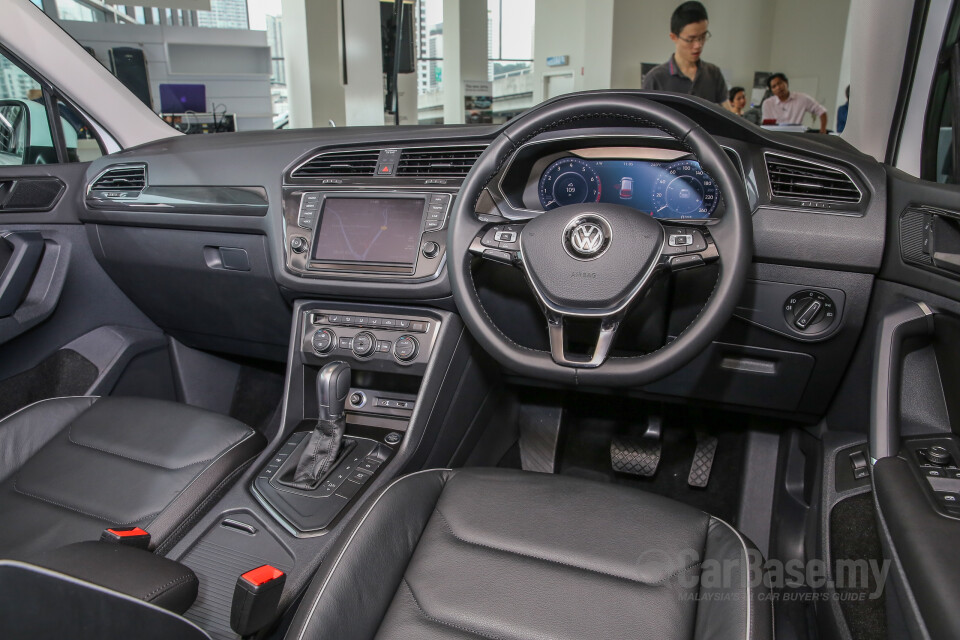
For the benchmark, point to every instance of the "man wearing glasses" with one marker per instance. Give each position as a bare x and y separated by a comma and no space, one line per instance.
685,72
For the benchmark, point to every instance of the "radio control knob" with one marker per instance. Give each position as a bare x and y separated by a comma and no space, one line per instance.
405,348
324,340
431,249
364,343
298,244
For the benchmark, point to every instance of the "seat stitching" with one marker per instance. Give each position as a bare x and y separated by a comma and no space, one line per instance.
172,583
174,536
126,457
77,509
561,563
32,404
316,600
746,561
452,625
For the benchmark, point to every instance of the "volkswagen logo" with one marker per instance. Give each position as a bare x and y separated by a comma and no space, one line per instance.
586,237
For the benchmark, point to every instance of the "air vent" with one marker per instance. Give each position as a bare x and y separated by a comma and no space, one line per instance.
453,162
339,164
809,181
121,182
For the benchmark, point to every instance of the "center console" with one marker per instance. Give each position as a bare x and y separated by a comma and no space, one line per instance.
387,356
418,397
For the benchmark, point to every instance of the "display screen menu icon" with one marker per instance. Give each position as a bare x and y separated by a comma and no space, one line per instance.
364,230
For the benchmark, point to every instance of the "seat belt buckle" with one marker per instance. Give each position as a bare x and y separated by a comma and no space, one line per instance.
255,599
128,536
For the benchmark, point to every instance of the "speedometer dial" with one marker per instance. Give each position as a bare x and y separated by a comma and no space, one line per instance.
684,191
569,181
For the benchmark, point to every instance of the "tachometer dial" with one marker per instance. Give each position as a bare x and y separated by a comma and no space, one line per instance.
683,191
568,181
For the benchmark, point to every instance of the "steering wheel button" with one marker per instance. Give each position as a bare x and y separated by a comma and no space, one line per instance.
680,240
505,236
699,242
685,262
498,256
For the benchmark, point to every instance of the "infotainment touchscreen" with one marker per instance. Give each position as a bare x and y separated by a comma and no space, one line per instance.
369,230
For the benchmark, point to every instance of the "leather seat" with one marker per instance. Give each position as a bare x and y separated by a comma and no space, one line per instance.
71,467
489,553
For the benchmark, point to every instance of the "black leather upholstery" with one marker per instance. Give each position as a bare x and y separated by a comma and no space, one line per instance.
71,467
39,604
503,554
129,570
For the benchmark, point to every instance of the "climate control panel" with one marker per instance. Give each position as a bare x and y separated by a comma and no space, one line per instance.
362,337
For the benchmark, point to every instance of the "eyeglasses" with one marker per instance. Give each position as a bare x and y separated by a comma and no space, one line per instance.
701,39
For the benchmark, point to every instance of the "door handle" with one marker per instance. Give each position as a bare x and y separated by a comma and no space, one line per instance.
20,253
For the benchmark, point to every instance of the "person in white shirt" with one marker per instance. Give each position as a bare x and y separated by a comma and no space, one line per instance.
784,107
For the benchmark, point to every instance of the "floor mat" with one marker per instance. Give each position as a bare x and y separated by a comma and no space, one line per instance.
590,426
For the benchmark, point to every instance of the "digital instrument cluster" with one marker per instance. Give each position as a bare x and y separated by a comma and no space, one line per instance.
679,190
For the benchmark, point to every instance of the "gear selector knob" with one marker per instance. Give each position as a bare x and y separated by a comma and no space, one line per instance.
333,386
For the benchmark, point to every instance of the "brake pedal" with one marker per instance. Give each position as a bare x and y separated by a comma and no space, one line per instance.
638,456
702,461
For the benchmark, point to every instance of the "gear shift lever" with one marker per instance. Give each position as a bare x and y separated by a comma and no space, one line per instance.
333,385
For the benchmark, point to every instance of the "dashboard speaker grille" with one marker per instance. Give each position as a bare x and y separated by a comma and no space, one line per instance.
339,164
454,162
802,180
127,178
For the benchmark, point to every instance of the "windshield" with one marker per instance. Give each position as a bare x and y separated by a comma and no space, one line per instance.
208,66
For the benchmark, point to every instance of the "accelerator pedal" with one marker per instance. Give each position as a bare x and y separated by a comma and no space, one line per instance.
638,456
702,461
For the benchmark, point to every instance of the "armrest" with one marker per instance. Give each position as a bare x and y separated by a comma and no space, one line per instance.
926,543
38,603
128,570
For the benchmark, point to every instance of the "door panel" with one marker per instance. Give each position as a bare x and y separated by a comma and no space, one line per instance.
913,404
65,327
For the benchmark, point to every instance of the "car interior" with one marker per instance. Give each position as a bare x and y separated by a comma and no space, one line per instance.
626,365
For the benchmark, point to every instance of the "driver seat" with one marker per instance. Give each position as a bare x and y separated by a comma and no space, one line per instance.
502,554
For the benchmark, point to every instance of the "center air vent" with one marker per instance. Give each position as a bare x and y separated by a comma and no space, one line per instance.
452,162
125,181
809,181
339,164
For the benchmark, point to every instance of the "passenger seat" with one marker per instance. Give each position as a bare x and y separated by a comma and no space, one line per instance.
71,467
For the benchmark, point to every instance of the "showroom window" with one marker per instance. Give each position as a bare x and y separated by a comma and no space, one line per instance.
241,65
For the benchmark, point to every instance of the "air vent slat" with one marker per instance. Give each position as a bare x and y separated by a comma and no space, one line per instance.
339,164
803,180
126,179
453,162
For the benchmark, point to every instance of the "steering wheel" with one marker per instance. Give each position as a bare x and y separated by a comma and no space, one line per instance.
594,260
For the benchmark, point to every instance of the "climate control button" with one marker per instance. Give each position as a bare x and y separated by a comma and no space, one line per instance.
405,348
324,340
364,344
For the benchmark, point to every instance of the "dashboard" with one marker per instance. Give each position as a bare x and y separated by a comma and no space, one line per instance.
245,224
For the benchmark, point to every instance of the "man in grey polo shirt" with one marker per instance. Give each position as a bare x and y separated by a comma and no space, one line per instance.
685,72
